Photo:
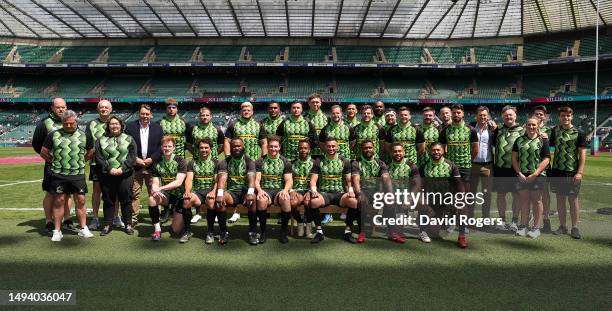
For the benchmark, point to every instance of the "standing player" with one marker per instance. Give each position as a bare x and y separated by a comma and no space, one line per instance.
367,129
273,181
331,175
442,176
541,113
445,116
404,175
379,113
505,177
236,185
430,132
530,157
482,166
461,144
336,128
200,190
271,122
301,167
67,149
115,156
318,119
204,130
366,175
293,130
95,129
351,115
43,128
252,134
167,187
407,134
567,169
175,126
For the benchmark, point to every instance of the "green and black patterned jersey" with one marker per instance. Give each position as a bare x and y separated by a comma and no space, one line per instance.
204,172
95,129
331,173
353,122
116,152
301,173
531,152
380,120
202,131
503,141
319,120
567,143
370,172
409,136
177,128
458,139
68,151
431,135
167,170
43,128
292,131
251,133
237,172
343,133
371,131
271,125
403,174
272,171
546,130
440,176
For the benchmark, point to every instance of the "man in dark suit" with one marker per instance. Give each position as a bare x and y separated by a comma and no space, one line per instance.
147,136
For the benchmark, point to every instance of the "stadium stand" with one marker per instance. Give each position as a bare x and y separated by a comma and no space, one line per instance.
220,53
350,54
172,53
36,54
406,54
549,49
81,54
264,53
490,54
404,87
299,53
127,54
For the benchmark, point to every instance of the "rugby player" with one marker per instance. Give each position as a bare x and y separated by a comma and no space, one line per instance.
236,185
379,113
293,130
274,118
445,116
273,181
541,113
431,132
167,187
299,195
66,150
351,115
408,134
530,157
318,119
368,129
175,126
336,128
567,169
330,184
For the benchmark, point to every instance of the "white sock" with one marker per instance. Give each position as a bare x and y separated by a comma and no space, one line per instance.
157,227
320,231
347,230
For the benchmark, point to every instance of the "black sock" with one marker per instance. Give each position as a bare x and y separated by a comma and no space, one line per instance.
187,215
316,216
198,210
296,215
357,216
350,218
222,217
284,221
154,214
210,220
252,221
307,215
263,220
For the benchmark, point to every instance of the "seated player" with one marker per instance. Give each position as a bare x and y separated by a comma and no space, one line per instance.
366,175
237,176
331,175
167,188
299,195
273,181
199,190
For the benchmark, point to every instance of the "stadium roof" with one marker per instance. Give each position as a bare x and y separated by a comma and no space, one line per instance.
410,19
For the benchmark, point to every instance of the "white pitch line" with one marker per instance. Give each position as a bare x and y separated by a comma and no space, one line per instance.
21,182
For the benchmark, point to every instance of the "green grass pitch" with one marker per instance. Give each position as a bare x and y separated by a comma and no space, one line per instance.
497,271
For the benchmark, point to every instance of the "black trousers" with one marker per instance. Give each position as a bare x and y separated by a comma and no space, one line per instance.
117,189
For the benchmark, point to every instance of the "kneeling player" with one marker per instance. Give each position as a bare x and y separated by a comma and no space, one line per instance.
199,190
236,174
273,181
299,195
366,174
167,187
332,176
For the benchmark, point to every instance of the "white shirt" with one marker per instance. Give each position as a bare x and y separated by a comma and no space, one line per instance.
144,140
484,154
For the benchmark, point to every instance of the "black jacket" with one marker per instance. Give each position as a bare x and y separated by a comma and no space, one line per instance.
154,145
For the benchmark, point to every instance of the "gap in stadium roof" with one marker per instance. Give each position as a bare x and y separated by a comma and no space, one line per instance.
394,19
